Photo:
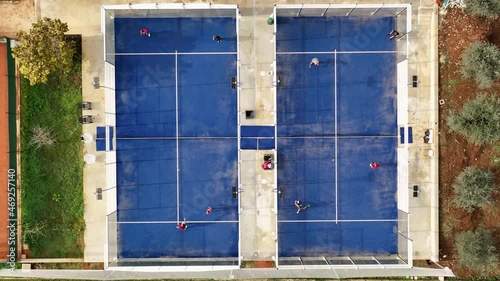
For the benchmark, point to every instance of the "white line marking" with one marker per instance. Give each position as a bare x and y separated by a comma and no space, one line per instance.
336,221
174,138
336,137
172,222
338,52
336,145
177,132
175,54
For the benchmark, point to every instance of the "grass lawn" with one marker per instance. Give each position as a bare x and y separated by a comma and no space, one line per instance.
52,176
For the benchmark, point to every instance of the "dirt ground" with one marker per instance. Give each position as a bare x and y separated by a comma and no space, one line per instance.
15,16
456,32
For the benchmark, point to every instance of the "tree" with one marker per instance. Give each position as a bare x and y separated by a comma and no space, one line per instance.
479,120
474,188
42,137
33,230
476,250
43,50
481,61
483,8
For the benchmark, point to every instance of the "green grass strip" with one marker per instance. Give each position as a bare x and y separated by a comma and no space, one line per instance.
52,177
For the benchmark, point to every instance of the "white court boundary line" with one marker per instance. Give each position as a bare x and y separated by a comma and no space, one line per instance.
180,138
175,54
172,222
339,52
339,137
177,132
336,142
337,221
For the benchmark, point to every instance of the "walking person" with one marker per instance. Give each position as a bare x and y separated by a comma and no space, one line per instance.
394,34
144,31
314,61
374,165
182,225
217,38
300,207
209,210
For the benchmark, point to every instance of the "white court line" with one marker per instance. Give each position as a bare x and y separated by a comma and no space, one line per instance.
336,221
175,54
171,222
338,52
336,145
177,132
175,138
337,137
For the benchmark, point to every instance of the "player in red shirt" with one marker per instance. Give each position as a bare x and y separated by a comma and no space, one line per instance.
144,31
209,210
267,165
374,165
182,225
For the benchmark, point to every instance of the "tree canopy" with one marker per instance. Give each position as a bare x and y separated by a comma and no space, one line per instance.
483,8
474,188
476,249
479,120
481,61
43,50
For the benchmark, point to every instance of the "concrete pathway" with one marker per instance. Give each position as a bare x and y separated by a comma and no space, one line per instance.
265,273
258,201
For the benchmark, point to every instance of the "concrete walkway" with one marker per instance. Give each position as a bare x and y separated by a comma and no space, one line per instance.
83,17
267,274
258,201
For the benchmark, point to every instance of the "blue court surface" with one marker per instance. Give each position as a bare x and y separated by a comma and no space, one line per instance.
333,121
176,137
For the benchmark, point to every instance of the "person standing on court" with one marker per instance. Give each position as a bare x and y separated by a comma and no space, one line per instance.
314,61
300,207
217,38
209,210
374,165
144,31
183,225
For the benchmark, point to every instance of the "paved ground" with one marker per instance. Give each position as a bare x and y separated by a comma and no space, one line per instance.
83,17
250,274
15,15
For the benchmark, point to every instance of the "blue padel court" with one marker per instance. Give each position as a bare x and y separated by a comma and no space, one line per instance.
176,137
195,123
333,120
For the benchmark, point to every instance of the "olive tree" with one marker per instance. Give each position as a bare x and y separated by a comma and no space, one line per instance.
481,61
476,250
474,188
478,121
483,8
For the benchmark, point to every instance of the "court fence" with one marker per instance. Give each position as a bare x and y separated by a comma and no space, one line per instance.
155,10
112,246
402,14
